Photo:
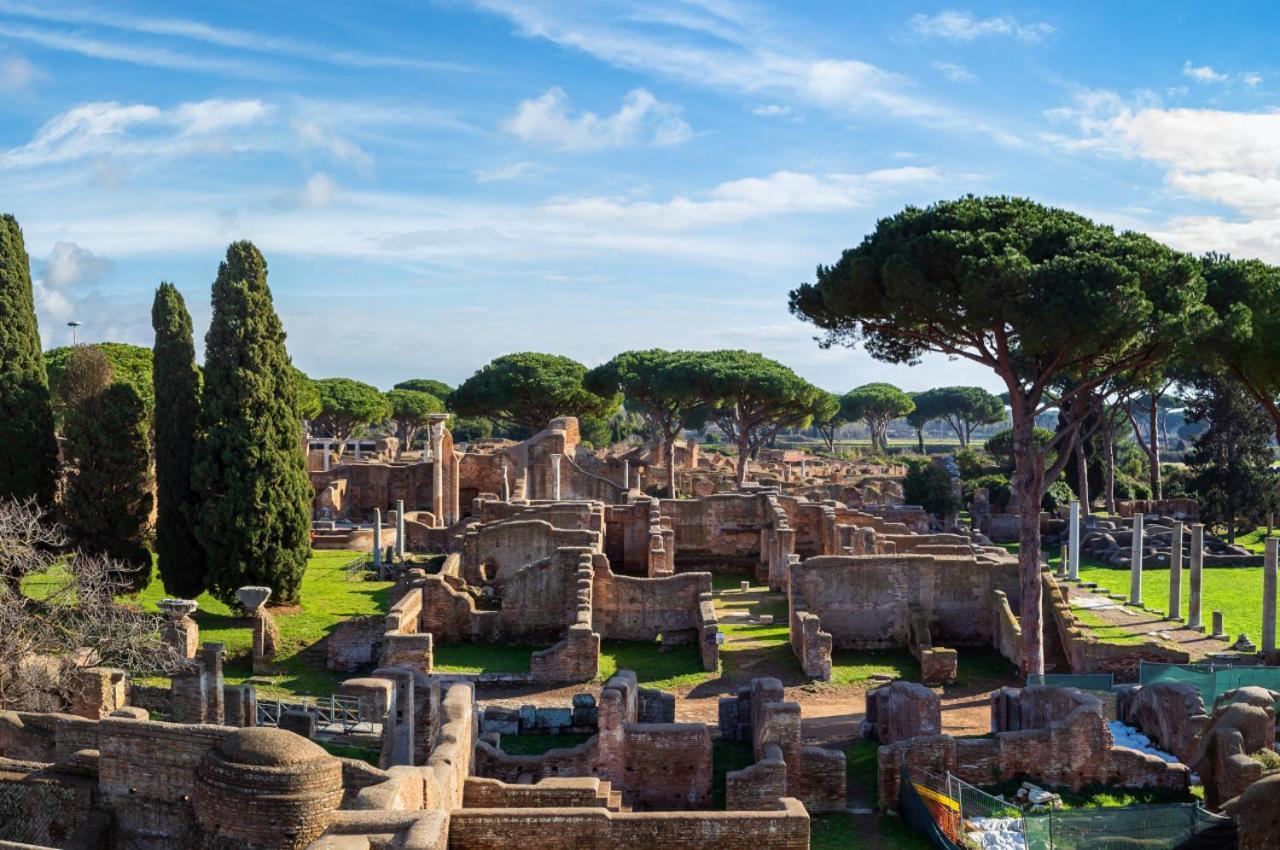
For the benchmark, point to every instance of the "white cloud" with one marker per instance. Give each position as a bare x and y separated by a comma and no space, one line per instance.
753,61
1252,79
1202,73
69,264
641,119
152,57
313,134
514,171
108,128
202,32
1222,157
953,72
963,26
17,75
318,191
771,110
780,193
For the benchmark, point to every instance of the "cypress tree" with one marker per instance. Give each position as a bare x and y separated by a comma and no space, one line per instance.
177,386
107,504
29,459
254,518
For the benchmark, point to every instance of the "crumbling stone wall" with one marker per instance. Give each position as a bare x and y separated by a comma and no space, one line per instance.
1170,714
883,601
546,829
492,552
353,490
902,710
677,607
814,775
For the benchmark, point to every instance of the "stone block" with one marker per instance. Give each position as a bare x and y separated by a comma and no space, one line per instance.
528,718
299,722
253,597
553,720
728,716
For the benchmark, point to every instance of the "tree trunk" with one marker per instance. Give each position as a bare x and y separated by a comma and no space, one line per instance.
744,451
1029,482
1154,450
1082,474
920,439
1109,450
671,466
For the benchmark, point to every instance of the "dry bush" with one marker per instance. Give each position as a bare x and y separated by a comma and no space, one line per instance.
79,623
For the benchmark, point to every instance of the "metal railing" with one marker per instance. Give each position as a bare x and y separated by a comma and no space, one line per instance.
333,714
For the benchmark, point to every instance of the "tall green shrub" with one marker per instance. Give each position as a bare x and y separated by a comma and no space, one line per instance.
177,413
254,517
107,504
29,460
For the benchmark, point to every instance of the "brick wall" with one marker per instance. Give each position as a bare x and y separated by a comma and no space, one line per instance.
547,829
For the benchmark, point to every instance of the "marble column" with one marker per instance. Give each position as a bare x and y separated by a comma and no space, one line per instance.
626,475
1175,572
325,459
400,529
1062,562
1269,595
1073,541
358,449
1197,570
555,477
1135,562
506,484
377,540
436,433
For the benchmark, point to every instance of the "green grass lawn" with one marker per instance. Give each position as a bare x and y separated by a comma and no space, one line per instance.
330,595
536,745
1235,591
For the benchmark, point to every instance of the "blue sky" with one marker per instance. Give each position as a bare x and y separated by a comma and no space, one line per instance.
435,184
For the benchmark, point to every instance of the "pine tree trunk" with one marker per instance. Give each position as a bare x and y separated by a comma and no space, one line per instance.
1109,449
671,467
920,439
1082,474
1154,452
743,454
1029,482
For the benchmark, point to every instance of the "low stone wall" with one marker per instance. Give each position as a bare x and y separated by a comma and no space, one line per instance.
493,552
677,607
814,775
576,792
547,829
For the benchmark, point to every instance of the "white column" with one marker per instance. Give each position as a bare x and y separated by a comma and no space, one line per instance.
626,474
804,469
640,481
506,484
1073,542
1175,572
1269,595
1197,570
555,477
436,434
325,451
400,529
357,449
1135,562
377,539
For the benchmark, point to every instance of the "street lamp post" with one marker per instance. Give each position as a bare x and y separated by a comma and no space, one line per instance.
73,325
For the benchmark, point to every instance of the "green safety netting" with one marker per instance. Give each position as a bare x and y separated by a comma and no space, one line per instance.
1211,680
1161,827
1083,681
943,810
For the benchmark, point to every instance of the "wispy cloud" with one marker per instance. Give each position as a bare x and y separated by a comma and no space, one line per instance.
1252,79
152,57
116,129
963,26
953,72
199,31
514,171
752,62
17,75
771,110
642,119
1202,73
